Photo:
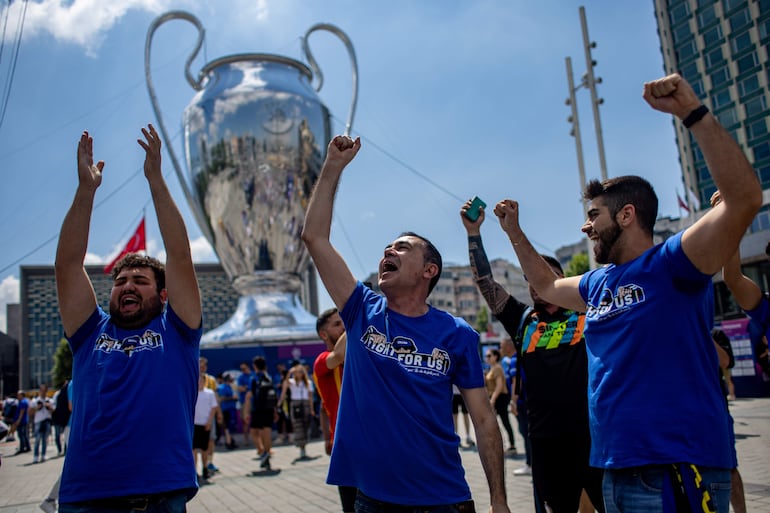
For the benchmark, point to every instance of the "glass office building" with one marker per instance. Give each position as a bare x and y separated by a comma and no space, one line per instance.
721,48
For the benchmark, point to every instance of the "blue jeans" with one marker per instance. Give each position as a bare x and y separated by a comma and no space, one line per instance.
640,490
174,503
365,504
42,430
23,433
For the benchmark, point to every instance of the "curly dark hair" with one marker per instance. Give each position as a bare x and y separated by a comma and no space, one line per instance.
134,260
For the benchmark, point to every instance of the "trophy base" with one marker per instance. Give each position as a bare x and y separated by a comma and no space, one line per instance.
273,318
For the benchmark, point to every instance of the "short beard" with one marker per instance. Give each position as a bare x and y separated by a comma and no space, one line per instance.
151,308
604,246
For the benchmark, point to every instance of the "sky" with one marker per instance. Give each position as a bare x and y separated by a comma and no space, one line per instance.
456,99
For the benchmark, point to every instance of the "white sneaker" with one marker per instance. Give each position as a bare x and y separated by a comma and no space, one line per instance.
34,459
48,505
526,470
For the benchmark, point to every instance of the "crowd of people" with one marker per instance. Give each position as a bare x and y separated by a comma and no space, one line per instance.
602,417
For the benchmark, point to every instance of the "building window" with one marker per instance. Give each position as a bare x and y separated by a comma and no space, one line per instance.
682,33
740,19
686,50
732,4
720,76
764,175
755,106
728,117
720,99
747,63
764,28
761,151
748,85
690,72
714,57
697,86
703,3
706,16
712,36
756,129
680,12
741,42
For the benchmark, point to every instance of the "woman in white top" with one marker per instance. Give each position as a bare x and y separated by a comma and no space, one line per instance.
300,390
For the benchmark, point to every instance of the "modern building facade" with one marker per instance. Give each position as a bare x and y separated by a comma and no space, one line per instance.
721,47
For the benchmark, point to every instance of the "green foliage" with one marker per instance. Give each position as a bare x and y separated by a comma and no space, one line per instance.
62,364
482,319
577,265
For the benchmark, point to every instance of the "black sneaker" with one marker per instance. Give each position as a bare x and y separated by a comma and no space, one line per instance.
265,462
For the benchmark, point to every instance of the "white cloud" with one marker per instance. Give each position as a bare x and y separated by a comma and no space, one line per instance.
81,22
86,22
202,250
9,293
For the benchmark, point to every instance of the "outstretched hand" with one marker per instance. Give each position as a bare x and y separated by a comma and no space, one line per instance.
341,150
152,152
90,175
671,94
472,227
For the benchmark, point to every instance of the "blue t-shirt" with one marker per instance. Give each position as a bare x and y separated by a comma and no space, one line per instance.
22,412
225,391
244,380
133,398
654,394
395,438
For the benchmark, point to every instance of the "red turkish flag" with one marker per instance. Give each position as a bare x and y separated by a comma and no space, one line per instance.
682,203
136,243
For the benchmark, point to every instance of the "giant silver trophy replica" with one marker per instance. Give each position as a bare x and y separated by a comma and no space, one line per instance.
255,137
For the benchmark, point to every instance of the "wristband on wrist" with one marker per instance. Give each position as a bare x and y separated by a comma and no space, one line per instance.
695,116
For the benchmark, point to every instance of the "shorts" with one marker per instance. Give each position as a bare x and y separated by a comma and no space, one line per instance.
201,437
262,418
458,404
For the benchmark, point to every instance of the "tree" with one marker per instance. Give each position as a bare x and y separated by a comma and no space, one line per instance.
577,265
62,364
482,319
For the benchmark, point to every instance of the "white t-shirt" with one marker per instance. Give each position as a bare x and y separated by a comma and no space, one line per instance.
300,392
43,413
206,402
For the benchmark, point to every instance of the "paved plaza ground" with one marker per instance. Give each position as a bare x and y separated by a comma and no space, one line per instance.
299,486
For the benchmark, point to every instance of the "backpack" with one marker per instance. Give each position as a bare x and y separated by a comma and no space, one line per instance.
263,393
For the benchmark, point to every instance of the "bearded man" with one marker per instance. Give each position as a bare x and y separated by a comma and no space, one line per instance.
134,369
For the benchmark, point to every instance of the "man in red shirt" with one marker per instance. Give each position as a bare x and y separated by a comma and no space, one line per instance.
327,375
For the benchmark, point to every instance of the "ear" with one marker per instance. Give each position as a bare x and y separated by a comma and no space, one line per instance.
626,215
430,270
163,296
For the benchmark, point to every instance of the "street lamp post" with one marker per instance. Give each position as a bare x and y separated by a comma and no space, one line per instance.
575,132
589,82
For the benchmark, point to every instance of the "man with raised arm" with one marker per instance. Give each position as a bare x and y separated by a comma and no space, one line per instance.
135,369
395,438
656,409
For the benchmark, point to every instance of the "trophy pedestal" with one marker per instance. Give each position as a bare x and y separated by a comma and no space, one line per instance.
269,318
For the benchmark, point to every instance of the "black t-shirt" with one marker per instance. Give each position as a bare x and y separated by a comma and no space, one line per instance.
556,374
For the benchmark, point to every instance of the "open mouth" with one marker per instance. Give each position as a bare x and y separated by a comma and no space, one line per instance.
388,266
129,301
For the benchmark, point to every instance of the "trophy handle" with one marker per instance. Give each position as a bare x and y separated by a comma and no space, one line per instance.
196,84
317,71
